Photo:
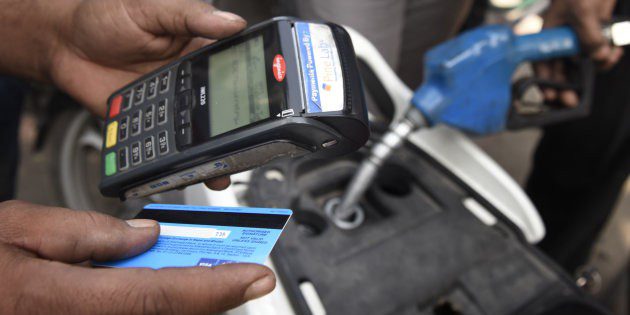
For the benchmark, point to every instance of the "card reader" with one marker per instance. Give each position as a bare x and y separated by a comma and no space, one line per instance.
282,88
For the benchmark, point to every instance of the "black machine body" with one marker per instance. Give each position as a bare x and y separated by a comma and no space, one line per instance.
282,88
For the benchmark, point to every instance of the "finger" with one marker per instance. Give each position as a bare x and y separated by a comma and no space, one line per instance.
73,236
219,183
198,290
569,98
544,72
555,15
195,44
588,26
190,18
612,59
103,81
602,54
94,99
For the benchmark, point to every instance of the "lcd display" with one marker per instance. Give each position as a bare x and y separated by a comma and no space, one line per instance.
238,86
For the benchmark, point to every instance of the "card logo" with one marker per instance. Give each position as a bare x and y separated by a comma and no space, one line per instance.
279,68
210,262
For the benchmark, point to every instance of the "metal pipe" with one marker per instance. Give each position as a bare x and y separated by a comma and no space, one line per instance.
381,151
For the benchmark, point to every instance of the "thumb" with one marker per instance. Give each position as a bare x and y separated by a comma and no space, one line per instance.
182,291
589,30
73,236
193,18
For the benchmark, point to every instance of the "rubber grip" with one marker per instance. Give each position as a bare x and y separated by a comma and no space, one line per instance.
548,44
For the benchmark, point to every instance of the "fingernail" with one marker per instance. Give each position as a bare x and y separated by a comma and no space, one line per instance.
228,16
141,223
261,287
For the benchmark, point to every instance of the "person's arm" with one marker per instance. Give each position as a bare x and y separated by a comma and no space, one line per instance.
40,247
90,48
587,17
28,31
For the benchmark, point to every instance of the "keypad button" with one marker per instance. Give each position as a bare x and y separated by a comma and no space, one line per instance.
136,153
184,101
152,88
127,101
181,72
162,112
165,81
183,136
148,117
183,118
110,164
111,134
149,148
138,93
184,69
184,83
123,129
163,142
135,123
114,107
123,158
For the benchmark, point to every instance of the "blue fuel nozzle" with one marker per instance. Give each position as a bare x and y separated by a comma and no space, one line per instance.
468,79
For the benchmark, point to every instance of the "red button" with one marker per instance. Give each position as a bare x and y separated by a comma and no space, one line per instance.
114,109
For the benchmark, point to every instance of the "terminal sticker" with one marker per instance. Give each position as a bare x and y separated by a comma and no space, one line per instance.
208,236
321,67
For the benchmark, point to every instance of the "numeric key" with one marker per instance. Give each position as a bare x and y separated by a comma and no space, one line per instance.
165,79
138,94
152,88
123,158
127,101
123,129
136,153
163,142
135,122
148,117
149,148
162,112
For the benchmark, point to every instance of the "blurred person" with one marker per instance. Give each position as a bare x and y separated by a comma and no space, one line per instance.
580,166
89,48
402,30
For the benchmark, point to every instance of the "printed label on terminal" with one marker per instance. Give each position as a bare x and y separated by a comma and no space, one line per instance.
279,68
208,236
183,178
321,67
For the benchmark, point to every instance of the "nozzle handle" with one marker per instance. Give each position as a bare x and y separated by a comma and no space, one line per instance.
548,44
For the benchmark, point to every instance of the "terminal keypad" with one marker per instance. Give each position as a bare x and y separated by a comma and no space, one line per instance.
141,120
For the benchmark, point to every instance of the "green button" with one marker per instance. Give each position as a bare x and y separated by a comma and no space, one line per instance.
110,164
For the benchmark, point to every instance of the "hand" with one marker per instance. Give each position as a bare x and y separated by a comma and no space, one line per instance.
90,48
587,18
105,44
39,245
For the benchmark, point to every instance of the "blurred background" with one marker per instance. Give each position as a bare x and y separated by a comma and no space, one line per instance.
59,151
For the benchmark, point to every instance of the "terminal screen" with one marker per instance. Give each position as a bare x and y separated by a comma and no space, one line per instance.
237,89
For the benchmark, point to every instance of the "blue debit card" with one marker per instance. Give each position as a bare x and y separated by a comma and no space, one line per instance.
208,236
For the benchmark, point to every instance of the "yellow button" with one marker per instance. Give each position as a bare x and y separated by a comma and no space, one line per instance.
112,131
